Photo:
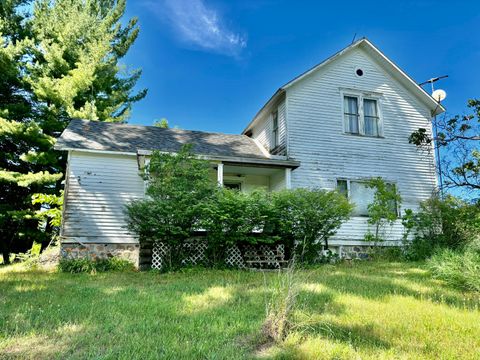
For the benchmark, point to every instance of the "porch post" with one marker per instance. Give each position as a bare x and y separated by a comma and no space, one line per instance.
220,174
288,178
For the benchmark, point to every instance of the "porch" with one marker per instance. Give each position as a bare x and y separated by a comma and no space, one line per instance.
248,177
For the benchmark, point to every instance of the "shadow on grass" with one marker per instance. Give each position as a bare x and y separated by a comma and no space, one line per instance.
385,280
358,336
128,315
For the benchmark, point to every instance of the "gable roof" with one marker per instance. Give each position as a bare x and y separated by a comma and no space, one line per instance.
103,136
371,49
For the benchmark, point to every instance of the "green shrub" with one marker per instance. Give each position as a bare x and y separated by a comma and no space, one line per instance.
448,223
182,198
460,269
232,217
179,186
387,253
84,265
306,219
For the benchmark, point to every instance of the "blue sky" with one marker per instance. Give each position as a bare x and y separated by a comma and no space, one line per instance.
210,65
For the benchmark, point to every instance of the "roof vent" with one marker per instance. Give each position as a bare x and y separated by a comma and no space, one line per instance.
359,72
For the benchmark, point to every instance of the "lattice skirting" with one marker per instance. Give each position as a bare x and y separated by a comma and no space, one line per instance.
245,256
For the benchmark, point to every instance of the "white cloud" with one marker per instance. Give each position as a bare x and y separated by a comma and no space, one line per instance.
200,26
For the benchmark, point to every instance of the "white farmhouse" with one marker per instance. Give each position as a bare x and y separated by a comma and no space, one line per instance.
335,126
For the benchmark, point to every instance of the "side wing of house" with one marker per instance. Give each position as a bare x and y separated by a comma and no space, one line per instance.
98,186
345,128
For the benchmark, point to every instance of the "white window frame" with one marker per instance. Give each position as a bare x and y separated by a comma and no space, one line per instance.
275,129
230,179
361,96
364,180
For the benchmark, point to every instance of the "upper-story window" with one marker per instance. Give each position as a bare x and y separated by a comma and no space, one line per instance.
361,115
275,134
352,114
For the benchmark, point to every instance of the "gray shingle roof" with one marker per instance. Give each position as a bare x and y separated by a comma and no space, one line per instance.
94,135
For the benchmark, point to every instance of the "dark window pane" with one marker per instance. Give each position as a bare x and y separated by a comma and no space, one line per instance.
233,185
342,187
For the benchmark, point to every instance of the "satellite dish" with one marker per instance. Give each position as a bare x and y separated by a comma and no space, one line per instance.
439,95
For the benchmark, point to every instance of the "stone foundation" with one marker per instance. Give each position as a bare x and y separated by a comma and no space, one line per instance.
130,252
361,252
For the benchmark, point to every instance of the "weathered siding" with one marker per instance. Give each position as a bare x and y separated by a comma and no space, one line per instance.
98,187
277,181
262,131
315,123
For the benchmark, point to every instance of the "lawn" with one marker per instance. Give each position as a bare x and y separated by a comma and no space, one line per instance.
366,310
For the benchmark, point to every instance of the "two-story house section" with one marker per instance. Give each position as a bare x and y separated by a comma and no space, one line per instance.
347,120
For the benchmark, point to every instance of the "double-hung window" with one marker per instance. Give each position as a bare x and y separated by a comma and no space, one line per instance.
352,115
361,115
275,134
370,116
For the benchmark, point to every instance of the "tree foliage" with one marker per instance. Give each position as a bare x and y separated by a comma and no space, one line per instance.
459,140
58,59
383,210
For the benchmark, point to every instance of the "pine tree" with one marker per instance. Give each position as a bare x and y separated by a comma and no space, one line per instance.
61,61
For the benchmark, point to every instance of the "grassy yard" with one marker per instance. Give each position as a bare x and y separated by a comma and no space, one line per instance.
365,311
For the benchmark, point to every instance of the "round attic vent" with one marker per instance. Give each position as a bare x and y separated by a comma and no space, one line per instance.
359,72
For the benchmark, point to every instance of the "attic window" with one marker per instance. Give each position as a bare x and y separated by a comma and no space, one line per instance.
359,72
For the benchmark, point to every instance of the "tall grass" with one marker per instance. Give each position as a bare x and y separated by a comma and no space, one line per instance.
458,269
281,303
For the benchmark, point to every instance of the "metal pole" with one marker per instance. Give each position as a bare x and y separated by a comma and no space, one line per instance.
437,148
437,155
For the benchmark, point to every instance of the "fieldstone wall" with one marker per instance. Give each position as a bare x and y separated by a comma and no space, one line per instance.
361,252
130,252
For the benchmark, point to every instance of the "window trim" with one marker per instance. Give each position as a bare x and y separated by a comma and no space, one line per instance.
231,179
361,96
358,115
364,180
275,129
231,182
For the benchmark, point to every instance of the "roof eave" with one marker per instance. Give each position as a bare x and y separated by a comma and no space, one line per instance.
434,106
287,163
270,101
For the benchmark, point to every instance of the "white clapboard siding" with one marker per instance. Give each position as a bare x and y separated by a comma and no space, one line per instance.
262,131
98,188
315,125
277,181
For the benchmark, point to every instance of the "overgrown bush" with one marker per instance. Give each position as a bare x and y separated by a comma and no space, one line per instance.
179,185
307,218
231,217
84,265
182,199
449,223
460,268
